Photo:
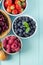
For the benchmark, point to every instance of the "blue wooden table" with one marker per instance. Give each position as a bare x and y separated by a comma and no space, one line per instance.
32,51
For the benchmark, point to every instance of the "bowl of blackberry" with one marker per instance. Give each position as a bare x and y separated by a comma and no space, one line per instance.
24,26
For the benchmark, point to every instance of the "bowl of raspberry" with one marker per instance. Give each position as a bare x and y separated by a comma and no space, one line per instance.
14,7
11,44
24,26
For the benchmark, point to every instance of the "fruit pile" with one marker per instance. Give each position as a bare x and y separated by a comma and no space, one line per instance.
3,23
11,44
24,26
15,6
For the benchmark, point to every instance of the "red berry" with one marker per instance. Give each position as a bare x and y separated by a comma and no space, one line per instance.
19,44
24,4
15,11
8,38
8,46
8,50
17,2
10,41
12,7
4,43
13,37
21,10
13,50
18,7
9,2
17,49
5,4
8,9
13,46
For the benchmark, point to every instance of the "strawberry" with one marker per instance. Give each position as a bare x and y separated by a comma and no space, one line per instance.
15,11
8,9
20,10
24,4
18,2
18,7
9,2
5,4
12,7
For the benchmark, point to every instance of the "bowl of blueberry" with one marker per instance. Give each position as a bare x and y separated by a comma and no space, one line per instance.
14,7
11,44
24,26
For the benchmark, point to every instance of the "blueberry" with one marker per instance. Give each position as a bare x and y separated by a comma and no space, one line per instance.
24,33
23,29
34,26
24,18
27,19
33,31
21,26
14,23
33,23
13,27
18,29
31,27
19,18
20,23
30,34
20,34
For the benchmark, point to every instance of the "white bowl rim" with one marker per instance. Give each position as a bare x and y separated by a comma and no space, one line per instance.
0,1
32,34
16,14
15,52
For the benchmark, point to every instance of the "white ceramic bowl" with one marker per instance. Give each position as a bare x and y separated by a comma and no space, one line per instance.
29,36
13,14
0,1
5,50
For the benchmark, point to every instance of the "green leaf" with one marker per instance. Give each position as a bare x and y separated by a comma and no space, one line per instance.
25,24
27,30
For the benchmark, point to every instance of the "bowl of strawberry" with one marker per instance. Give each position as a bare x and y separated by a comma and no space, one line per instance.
14,7
11,44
